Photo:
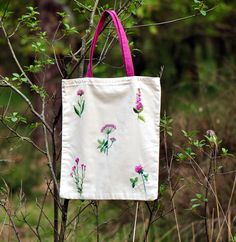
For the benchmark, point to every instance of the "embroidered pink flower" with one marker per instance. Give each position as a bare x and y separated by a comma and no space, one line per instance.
83,166
78,174
139,105
106,143
108,128
113,139
139,169
142,174
79,107
80,92
77,160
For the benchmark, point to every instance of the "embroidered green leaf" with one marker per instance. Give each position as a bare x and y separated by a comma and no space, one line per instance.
103,149
135,110
106,143
100,141
77,111
145,177
141,118
134,181
82,106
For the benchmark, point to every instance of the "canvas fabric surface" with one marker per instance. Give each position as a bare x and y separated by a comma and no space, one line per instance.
110,133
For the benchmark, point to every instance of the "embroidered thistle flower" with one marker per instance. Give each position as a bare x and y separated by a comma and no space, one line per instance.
108,128
77,160
83,166
139,105
113,139
139,169
78,174
106,143
144,176
73,168
79,108
80,92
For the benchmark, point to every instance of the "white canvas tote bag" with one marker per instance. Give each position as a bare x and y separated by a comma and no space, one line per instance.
110,132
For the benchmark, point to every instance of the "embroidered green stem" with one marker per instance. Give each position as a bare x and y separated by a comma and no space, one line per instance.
143,183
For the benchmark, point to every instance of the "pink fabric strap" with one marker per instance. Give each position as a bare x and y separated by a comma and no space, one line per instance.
124,44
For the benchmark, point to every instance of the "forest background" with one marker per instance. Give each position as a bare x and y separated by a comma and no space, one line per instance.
191,44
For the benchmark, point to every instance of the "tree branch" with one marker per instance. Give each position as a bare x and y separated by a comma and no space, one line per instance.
169,21
29,104
27,139
84,38
13,53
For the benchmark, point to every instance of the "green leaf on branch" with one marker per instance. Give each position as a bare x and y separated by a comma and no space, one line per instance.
39,90
200,6
19,77
16,117
69,29
225,153
166,125
196,205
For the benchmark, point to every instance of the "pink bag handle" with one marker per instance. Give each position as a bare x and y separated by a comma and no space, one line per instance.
124,44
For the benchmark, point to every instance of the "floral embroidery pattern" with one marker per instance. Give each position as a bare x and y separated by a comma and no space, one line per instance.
144,176
139,106
79,108
78,174
105,144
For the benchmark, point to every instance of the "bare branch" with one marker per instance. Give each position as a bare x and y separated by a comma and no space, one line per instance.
50,161
27,139
169,21
41,210
84,38
8,212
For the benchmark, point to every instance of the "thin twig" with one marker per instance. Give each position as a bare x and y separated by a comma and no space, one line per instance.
84,38
169,169
8,212
13,53
41,210
29,104
30,226
135,220
169,21
27,139
228,209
